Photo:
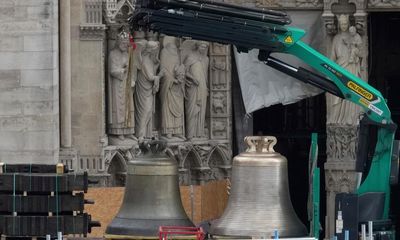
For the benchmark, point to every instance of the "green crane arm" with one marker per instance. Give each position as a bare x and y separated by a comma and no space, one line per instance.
361,93
248,28
352,88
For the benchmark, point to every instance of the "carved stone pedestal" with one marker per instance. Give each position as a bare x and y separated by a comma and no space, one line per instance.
340,174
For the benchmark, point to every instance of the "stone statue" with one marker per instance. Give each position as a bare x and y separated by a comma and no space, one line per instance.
347,52
172,90
147,85
218,68
355,45
121,83
196,63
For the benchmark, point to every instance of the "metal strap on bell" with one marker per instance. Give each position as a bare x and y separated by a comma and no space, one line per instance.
259,203
152,197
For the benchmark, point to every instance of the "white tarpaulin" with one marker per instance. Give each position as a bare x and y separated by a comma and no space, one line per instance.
263,86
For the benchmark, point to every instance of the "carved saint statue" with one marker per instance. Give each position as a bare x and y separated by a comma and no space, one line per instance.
147,85
347,52
121,83
196,64
172,90
218,68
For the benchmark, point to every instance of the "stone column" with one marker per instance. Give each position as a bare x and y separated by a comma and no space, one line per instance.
65,73
87,88
340,174
345,22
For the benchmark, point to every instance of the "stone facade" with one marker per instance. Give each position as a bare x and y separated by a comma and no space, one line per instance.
31,92
101,146
29,97
88,98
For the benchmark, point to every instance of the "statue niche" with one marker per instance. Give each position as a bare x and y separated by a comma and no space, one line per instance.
147,86
172,90
121,82
196,61
342,122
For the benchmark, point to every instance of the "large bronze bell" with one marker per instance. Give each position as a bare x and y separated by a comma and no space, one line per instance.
152,196
259,202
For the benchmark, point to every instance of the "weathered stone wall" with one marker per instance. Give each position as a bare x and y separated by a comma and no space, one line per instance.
87,94
29,96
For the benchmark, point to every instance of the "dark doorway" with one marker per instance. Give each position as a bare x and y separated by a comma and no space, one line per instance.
384,60
384,68
292,125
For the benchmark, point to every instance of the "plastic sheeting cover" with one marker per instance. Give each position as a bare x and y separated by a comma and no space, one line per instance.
263,86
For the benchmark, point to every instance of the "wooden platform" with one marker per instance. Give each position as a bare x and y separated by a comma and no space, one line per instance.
208,203
121,237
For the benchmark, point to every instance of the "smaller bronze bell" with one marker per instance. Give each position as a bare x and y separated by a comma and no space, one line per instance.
152,197
259,202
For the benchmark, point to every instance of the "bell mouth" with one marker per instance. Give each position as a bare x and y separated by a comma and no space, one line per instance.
225,233
125,228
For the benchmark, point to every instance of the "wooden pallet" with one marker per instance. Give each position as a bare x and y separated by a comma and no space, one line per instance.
3,237
69,237
123,237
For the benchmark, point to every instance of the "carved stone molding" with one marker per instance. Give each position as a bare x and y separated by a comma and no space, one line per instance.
393,5
198,162
220,91
340,176
92,27
92,32
69,157
341,143
290,4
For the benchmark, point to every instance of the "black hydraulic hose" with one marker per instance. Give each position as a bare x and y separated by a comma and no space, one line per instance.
215,27
220,20
222,4
225,11
202,28
304,75
201,34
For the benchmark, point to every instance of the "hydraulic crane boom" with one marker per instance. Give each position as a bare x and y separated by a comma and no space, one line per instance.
266,30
